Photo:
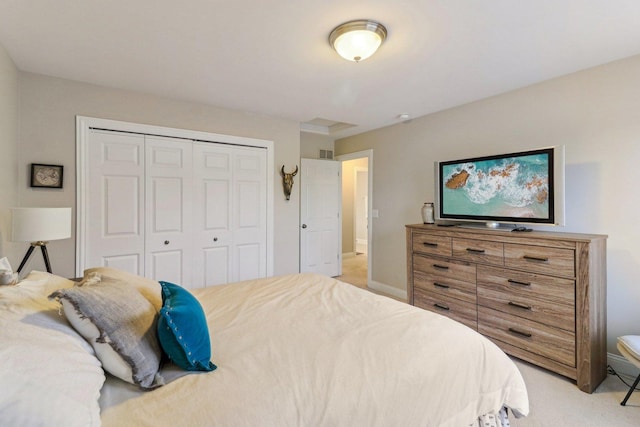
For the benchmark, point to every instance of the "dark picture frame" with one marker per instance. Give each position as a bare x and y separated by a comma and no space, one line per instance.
46,176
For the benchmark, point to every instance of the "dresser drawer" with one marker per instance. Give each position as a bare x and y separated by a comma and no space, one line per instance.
540,259
544,299
461,311
445,269
480,251
448,286
536,338
431,244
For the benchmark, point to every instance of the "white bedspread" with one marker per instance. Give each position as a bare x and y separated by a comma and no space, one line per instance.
306,350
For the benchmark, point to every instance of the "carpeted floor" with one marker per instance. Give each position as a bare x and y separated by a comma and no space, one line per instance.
556,401
354,270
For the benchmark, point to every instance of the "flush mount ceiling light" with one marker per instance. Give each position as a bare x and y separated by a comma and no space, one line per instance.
357,40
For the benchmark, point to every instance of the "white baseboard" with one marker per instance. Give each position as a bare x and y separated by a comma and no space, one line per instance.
622,366
388,290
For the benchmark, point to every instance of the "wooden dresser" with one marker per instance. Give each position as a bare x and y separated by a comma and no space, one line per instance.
540,296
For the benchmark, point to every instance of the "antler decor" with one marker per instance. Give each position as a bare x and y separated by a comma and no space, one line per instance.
287,181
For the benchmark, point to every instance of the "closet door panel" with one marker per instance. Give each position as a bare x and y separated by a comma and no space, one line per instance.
216,266
249,214
212,214
217,200
166,205
121,196
247,267
168,201
114,205
168,266
126,262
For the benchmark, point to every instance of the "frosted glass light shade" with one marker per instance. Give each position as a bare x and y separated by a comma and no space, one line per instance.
357,40
40,224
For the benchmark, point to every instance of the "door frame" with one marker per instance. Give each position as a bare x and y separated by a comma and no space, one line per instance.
369,155
356,183
85,124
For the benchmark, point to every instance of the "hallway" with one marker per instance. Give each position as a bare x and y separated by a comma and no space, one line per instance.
354,270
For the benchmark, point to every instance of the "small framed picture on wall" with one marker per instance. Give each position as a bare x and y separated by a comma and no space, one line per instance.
46,176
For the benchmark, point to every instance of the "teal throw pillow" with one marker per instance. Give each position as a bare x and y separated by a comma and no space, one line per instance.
182,329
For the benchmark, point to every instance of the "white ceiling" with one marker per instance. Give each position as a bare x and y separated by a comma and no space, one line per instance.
272,56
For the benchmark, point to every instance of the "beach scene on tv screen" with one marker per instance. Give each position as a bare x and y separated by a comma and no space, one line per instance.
516,187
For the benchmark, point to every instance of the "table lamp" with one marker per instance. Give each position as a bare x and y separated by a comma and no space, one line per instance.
39,226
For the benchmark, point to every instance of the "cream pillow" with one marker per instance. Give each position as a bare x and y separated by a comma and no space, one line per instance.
149,288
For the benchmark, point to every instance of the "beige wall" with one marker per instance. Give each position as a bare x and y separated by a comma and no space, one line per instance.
8,154
48,107
312,143
595,113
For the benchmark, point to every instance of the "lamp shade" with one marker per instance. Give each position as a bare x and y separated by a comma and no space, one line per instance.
40,224
357,40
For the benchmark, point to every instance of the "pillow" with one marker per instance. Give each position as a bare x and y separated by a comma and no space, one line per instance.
631,343
49,375
120,324
149,288
183,330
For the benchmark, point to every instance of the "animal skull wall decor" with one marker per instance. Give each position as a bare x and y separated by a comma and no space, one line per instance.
287,181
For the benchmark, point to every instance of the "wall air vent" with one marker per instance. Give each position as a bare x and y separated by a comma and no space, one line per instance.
326,154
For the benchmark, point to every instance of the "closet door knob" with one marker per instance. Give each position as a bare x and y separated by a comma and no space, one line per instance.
304,225
215,239
166,242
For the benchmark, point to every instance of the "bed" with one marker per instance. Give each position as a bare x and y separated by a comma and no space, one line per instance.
294,350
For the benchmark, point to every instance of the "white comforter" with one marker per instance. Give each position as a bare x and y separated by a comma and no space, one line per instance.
306,350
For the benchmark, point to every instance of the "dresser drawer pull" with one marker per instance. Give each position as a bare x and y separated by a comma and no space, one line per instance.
535,258
440,285
475,251
517,332
519,305
515,282
441,306
432,245
440,267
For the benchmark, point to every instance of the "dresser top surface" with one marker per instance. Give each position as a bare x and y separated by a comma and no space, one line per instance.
499,234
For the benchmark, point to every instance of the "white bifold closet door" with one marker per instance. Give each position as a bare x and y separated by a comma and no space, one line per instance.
230,214
192,213
168,209
115,204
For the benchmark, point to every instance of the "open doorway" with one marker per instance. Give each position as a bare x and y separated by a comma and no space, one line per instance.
356,218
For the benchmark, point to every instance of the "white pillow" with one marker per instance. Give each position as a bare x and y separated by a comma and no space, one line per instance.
49,375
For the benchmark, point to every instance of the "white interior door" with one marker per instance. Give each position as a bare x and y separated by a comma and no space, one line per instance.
168,206
320,212
114,206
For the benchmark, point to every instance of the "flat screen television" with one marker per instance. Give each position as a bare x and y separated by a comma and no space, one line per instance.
503,190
